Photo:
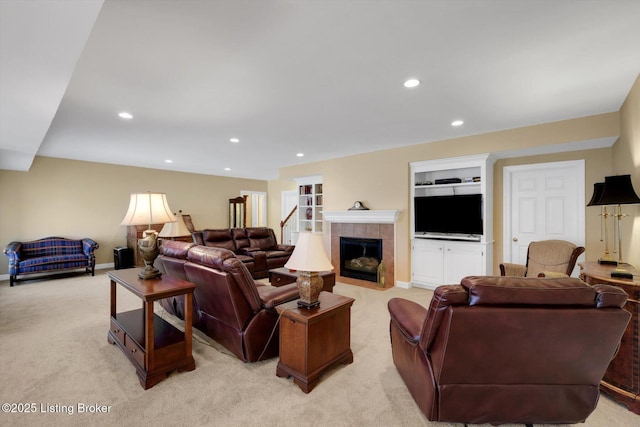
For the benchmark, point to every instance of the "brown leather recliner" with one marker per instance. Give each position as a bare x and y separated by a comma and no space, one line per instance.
256,247
508,350
231,307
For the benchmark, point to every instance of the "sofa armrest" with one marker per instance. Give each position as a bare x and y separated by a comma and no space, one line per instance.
285,248
88,246
13,251
408,317
248,250
508,269
272,296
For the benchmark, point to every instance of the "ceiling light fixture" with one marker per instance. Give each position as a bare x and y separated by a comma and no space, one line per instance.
457,123
300,155
125,115
234,140
227,169
412,83
168,161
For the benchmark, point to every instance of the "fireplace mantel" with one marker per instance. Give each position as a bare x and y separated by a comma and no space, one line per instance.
362,216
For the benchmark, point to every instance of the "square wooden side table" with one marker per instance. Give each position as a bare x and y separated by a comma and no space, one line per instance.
154,346
283,276
314,340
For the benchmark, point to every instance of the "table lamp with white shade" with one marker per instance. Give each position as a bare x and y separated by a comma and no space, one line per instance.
148,208
309,258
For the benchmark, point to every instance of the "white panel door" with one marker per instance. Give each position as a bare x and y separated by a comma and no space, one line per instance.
541,202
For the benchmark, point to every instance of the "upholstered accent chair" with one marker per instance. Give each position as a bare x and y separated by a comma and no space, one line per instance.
547,258
505,350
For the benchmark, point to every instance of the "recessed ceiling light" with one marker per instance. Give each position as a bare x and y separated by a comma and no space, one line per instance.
300,155
168,161
227,169
125,115
411,83
234,140
457,123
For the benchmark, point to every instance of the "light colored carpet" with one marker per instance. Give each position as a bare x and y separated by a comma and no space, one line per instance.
54,353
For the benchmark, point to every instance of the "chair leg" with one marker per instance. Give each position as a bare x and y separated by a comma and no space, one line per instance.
12,280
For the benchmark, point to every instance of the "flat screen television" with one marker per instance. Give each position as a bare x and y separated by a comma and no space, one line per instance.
458,216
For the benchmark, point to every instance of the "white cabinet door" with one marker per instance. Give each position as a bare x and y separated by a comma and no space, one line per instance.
461,260
427,261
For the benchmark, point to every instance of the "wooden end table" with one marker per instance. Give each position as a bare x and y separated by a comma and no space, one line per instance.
622,379
283,276
154,346
314,340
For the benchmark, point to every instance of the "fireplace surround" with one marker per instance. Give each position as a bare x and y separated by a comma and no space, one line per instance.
371,224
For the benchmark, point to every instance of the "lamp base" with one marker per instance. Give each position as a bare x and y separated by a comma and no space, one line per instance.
309,287
308,306
148,246
607,261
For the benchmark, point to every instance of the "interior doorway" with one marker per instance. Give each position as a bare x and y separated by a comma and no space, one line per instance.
256,208
542,201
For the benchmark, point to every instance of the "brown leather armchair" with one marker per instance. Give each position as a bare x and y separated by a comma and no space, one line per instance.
508,350
547,258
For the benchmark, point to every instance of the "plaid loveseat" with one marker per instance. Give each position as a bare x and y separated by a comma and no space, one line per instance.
51,254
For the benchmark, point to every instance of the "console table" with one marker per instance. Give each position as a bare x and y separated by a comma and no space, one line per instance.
154,346
622,379
314,340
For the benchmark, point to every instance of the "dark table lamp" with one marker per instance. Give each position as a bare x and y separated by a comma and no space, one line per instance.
598,188
618,190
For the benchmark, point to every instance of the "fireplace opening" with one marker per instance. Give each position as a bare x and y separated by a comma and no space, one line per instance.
359,258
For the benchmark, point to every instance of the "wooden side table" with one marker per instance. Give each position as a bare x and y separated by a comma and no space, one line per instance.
154,346
313,341
622,379
283,276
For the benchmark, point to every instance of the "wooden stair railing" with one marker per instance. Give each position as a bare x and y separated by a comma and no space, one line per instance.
283,223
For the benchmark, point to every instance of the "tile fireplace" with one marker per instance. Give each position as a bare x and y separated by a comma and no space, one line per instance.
363,226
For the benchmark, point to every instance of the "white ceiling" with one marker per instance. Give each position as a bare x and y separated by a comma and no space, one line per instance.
319,77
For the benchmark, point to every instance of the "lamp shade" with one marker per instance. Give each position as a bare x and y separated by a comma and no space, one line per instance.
618,190
598,188
309,254
148,208
175,229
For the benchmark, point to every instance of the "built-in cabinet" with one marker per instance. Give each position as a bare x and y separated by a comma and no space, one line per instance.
442,258
310,204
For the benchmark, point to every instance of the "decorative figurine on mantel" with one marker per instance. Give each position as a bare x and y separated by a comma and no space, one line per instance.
358,206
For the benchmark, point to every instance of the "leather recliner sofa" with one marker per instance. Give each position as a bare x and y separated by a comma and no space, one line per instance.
256,247
508,350
228,304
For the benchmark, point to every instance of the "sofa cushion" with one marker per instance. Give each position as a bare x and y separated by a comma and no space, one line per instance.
51,246
498,290
175,248
33,265
209,256
261,237
218,238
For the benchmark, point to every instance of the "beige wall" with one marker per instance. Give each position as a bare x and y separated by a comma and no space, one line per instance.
381,179
626,160
81,199
76,199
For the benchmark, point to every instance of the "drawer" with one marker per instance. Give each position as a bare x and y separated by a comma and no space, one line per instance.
117,331
278,280
135,351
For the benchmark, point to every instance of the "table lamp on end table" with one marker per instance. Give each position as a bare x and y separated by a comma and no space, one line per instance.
309,257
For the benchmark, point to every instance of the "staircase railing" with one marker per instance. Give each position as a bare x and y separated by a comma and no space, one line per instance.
284,224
